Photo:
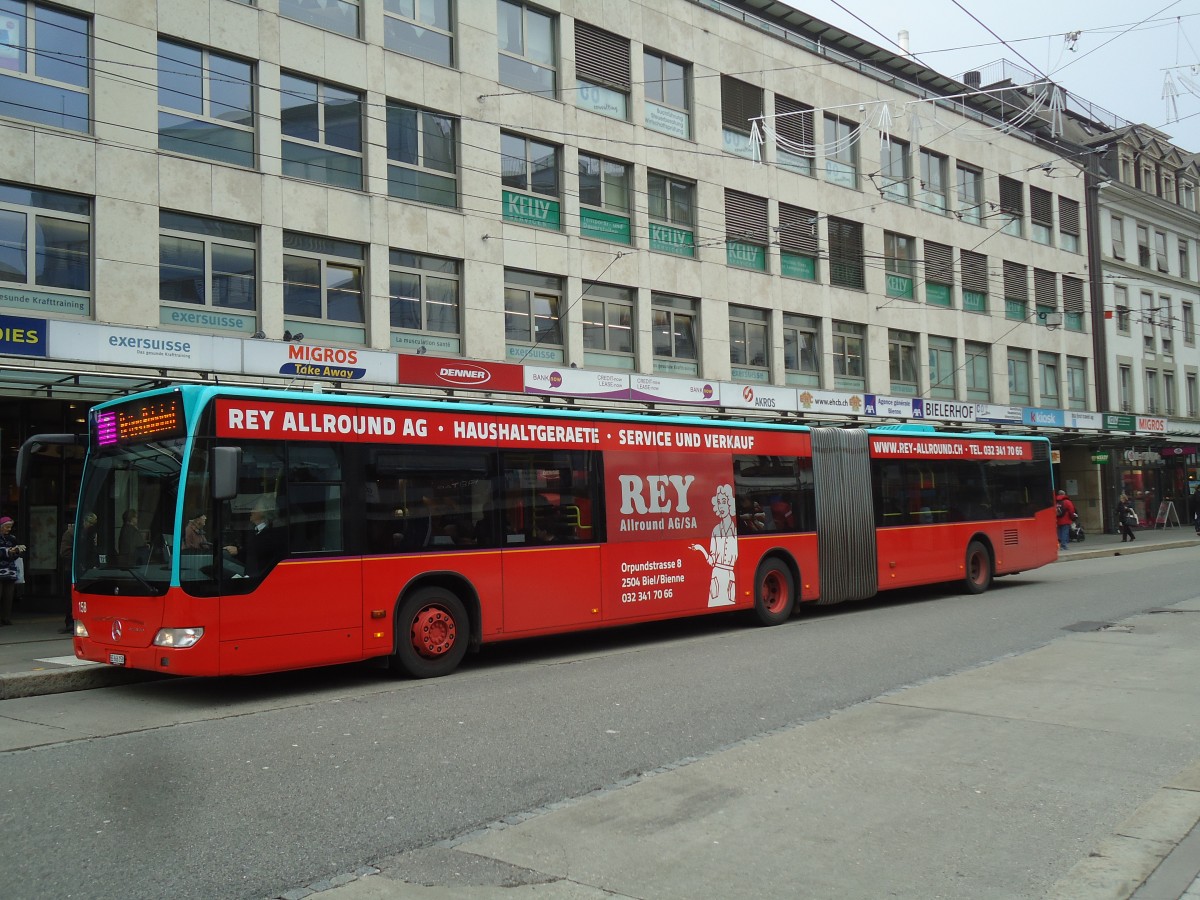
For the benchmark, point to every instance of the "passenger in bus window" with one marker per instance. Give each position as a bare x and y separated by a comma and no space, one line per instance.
194,537
263,545
132,548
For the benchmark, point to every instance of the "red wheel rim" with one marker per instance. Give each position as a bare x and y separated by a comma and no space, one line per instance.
773,593
433,631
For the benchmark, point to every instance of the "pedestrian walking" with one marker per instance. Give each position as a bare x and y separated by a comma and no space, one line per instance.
1126,519
1064,515
11,554
1195,509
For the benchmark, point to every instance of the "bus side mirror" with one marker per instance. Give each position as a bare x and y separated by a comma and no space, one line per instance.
226,462
36,443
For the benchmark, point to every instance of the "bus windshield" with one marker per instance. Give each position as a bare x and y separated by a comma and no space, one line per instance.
126,519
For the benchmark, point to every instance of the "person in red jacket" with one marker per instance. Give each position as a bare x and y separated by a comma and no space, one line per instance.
1065,510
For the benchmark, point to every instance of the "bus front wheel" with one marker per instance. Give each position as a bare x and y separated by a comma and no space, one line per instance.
431,633
774,593
978,577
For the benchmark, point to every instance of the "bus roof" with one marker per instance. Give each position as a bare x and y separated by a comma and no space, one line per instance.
198,396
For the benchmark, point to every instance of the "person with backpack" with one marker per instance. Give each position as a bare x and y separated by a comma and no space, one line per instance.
1126,519
1064,515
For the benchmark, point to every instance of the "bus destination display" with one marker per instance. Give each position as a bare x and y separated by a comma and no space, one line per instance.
140,422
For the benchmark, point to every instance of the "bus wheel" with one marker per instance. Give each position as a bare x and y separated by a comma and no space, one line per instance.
978,568
431,633
774,593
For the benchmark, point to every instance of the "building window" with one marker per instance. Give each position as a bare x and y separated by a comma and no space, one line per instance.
1149,318
671,208
1018,377
841,151
1016,291
749,342
1012,206
846,267
1048,379
939,274
1121,304
322,132
1193,398
1076,382
208,263
977,371
1117,233
668,94
898,264
802,350
1166,322
1125,388
602,79
1045,293
323,285
608,326
45,56
1143,240
1169,404
974,281
1072,290
849,356
45,242
1152,402
746,231
673,327
740,103
893,171
424,301
532,316
604,187
1185,262
932,192
340,16
422,149
794,140
205,104
902,361
527,48
1187,195
1160,252
799,246
1068,224
1041,216
529,172
970,194
941,367
420,28
1187,317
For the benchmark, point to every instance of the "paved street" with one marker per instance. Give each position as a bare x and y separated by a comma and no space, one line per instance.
1069,770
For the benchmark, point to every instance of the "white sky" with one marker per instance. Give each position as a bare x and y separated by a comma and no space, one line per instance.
1117,63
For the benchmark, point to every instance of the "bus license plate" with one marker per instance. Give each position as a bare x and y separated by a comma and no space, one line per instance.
116,659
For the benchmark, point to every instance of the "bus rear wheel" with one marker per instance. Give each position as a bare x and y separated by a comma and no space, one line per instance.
978,577
431,633
774,593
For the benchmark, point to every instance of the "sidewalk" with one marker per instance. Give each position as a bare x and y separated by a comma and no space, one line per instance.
1082,756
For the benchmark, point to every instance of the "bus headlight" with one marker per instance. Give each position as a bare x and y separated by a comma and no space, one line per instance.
177,637
81,629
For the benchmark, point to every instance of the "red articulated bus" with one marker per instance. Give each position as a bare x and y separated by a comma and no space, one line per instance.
242,531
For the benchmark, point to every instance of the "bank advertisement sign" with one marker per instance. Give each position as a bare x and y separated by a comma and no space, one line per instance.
673,390
576,383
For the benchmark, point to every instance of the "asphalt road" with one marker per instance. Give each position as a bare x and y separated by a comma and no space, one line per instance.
246,788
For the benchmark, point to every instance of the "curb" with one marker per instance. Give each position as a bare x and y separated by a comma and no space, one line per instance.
61,681
1125,550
